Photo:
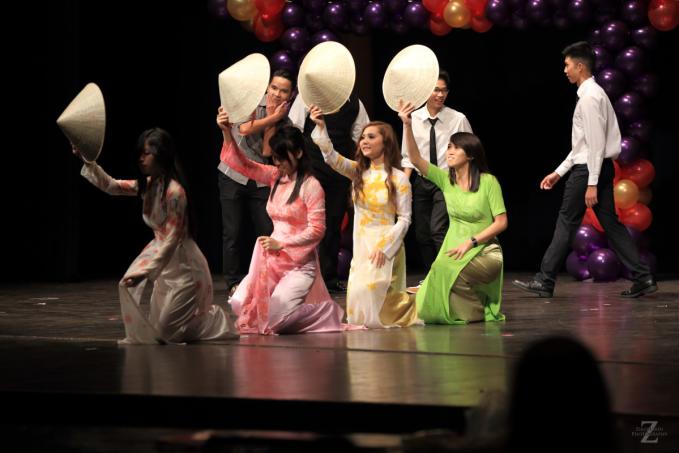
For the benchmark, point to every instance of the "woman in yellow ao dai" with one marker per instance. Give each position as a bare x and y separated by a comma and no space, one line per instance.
376,296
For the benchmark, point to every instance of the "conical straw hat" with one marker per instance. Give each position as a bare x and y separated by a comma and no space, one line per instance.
326,76
84,122
242,85
411,76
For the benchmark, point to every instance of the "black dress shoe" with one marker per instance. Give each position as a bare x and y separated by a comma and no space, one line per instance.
640,288
536,287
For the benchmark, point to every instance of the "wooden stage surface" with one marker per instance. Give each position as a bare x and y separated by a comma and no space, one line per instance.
58,346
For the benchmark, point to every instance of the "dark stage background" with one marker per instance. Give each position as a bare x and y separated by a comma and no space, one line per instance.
157,64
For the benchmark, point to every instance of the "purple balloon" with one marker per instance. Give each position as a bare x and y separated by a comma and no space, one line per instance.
516,6
641,130
416,15
603,265
577,267
629,150
283,60
646,84
595,36
292,15
558,4
630,60
634,12
614,35
561,20
323,36
586,240
335,16
358,25
217,8
398,24
612,81
357,6
375,16
580,11
343,263
295,39
537,10
602,57
395,6
315,6
630,107
519,22
646,37
497,11
314,22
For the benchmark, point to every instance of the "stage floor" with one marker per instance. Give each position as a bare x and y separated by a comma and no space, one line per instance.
58,344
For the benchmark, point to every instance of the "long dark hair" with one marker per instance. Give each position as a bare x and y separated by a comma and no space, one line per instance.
159,142
289,139
473,148
392,159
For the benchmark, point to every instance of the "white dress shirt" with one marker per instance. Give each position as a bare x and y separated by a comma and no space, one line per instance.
449,122
595,135
299,112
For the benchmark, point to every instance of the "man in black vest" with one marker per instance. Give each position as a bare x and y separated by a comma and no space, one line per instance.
344,127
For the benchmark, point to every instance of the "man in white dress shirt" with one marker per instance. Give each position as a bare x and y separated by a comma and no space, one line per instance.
432,125
595,140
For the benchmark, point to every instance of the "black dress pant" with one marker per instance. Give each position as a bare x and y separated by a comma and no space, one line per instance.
430,217
235,198
336,200
570,217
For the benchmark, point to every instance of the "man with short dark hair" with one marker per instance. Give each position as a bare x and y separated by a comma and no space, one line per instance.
432,125
595,144
237,191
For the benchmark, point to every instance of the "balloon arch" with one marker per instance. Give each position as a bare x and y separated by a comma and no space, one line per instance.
623,33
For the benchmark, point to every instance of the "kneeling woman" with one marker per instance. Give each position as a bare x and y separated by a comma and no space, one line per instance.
465,281
181,302
283,291
376,296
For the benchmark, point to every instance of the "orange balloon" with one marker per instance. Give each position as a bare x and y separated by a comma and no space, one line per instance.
645,195
456,14
641,172
626,194
638,216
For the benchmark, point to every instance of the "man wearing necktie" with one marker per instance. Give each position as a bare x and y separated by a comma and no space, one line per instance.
432,125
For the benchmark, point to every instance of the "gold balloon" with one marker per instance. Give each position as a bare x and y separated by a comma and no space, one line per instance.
241,9
456,14
626,194
645,196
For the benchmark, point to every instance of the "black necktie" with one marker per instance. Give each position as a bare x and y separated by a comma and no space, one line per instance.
433,155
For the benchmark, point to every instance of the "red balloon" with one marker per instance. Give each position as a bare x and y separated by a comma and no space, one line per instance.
641,172
438,27
270,7
434,6
590,219
477,8
267,32
663,14
638,216
480,24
